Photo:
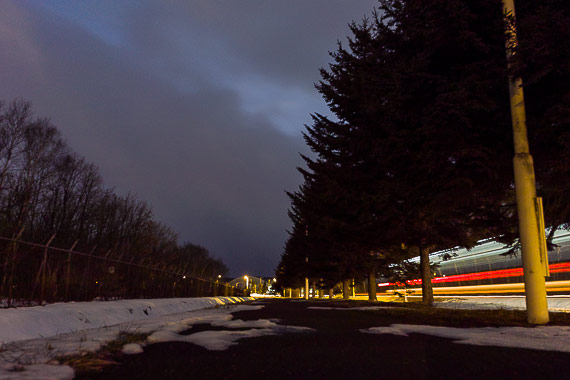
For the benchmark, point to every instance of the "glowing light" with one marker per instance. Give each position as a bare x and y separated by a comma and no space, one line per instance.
515,272
551,286
502,273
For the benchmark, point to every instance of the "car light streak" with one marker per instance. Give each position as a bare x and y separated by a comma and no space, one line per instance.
503,273
551,286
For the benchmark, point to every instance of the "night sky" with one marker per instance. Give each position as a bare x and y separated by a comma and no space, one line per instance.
197,106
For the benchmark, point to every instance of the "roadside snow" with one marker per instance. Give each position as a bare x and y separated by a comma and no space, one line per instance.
549,338
75,329
555,303
9,371
32,337
61,318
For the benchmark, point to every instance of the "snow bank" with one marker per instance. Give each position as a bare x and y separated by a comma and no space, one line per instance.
61,318
32,337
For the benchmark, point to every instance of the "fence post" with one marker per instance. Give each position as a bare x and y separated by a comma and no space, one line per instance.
69,270
44,268
85,279
13,265
130,288
102,288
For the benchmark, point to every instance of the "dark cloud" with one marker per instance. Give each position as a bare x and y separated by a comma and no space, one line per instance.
284,41
184,105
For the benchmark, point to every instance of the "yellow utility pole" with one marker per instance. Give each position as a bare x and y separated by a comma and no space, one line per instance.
529,226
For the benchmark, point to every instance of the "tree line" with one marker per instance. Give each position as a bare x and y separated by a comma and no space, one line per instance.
418,154
50,193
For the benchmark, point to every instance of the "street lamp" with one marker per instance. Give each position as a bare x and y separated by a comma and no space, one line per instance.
246,282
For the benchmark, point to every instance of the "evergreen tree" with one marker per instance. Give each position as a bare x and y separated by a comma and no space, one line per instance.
420,152
542,60
421,127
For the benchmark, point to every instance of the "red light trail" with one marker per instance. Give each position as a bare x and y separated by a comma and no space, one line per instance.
503,273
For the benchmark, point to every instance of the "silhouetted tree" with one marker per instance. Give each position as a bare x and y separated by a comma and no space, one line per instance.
46,191
420,146
542,59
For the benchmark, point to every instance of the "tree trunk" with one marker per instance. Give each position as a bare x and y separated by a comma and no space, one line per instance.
331,293
346,289
427,291
372,283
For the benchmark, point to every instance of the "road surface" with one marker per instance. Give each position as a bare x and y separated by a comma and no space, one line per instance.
336,350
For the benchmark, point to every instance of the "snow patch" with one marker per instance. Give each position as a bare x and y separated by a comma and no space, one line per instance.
548,338
219,340
555,303
238,323
222,340
132,349
11,371
246,308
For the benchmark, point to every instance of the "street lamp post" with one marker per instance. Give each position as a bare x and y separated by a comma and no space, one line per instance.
529,218
306,282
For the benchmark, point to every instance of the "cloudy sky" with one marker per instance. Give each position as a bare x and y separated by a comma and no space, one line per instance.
197,106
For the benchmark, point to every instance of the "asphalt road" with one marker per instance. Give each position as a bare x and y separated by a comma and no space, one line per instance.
336,350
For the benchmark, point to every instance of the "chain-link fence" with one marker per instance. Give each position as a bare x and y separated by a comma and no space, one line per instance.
34,273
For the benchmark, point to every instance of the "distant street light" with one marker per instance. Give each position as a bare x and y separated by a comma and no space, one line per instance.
246,282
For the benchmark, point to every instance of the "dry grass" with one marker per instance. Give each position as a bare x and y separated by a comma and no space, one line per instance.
96,361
